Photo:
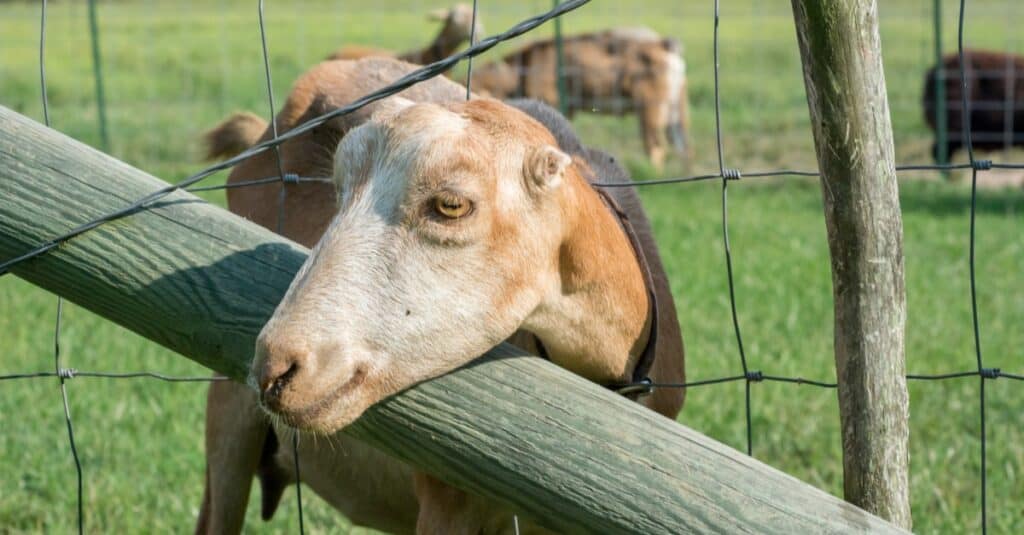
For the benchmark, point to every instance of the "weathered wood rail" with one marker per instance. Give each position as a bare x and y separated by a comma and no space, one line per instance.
562,451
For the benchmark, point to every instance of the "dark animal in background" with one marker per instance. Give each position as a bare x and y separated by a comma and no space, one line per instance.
995,90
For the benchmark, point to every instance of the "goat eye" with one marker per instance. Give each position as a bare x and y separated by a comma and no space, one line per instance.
451,206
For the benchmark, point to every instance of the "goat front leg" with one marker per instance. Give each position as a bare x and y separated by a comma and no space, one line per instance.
235,432
679,124
653,123
444,509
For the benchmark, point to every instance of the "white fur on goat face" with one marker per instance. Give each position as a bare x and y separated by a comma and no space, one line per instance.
394,294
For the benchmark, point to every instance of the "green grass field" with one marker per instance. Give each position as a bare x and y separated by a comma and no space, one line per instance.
174,69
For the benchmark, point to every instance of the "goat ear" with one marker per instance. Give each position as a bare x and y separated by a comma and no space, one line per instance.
388,108
545,166
439,14
354,158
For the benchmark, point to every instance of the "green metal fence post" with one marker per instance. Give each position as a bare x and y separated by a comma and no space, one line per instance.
97,73
941,128
559,73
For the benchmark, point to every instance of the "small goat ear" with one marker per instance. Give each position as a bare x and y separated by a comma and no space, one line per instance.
545,165
439,14
388,108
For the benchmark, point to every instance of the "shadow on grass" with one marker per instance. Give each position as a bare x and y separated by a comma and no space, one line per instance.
955,200
935,198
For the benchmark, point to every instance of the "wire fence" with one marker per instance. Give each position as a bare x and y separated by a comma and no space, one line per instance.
748,373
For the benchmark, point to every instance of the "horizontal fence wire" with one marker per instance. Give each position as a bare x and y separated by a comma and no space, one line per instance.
71,373
286,178
724,175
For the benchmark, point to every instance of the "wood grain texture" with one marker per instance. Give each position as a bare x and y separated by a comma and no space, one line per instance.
842,64
514,428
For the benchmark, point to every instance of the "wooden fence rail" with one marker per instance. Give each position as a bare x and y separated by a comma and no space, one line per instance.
565,452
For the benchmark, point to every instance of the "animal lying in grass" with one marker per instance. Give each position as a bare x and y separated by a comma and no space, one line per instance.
617,71
457,29
456,225
995,89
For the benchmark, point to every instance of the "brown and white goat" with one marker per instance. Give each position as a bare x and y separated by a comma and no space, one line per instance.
457,29
457,225
616,71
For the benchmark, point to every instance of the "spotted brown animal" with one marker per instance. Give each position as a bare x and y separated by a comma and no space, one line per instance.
615,71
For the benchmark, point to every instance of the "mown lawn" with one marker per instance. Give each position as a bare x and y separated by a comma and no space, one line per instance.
173,69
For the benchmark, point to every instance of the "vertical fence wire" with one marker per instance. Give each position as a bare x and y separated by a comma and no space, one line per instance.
563,102
965,111
97,75
62,375
42,64
941,107
281,199
273,121
58,369
469,62
727,175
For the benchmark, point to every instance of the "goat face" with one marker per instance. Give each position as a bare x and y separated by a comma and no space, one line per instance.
447,237
458,22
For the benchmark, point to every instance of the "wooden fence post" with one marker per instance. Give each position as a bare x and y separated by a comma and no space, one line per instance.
842,64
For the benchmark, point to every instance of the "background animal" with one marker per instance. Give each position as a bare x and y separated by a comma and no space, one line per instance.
616,71
457,29
995,90
240,441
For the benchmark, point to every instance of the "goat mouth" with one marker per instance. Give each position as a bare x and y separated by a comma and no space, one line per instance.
305,416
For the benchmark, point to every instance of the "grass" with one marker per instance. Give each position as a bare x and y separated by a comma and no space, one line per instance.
174,69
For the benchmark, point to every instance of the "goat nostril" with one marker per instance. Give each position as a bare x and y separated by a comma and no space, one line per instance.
273,383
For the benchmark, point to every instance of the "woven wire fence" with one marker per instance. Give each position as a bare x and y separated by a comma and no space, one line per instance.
746,371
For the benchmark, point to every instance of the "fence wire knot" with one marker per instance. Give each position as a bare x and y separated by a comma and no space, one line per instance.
754,376
66,373
990,373
981,165
731,174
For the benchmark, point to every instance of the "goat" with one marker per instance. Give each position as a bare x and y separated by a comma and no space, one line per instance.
504,238
614,71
